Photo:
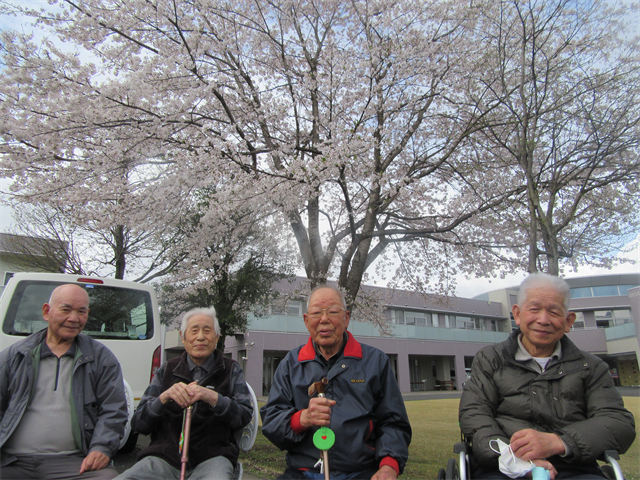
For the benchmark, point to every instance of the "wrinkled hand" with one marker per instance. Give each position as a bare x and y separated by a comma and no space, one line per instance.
318,413
385,473
185,395
529,444
94,461
546,465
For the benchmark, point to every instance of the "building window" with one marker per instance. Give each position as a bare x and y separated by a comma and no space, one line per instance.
277,309
601,291
611,318
397,317
270,362
465,323
605,291
624,289
621,317
415,318
583,292
604,318
513,299
294,308
579,323
428,319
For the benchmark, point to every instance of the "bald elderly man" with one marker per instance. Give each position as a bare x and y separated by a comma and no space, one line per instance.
62,402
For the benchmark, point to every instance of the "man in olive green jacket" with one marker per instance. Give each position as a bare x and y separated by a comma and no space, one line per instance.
553,403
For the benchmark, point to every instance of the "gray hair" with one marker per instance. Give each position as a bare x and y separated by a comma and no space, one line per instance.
209,312
536,280
335,289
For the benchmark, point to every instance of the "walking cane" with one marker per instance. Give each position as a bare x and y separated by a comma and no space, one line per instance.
184,441
324,438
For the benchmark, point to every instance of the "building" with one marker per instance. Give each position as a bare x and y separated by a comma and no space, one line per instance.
434,340
19,253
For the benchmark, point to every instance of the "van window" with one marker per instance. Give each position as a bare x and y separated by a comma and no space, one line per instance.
114,312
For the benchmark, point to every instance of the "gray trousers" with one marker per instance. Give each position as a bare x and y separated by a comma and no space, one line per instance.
53,467
154,468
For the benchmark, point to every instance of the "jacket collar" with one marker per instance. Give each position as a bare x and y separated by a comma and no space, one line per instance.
82,341
183,370
569,349
351,349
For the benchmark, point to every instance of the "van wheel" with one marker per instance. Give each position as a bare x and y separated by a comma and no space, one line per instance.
130,444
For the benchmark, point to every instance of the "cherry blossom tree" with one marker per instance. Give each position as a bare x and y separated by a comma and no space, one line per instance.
565,76
340,118
352,127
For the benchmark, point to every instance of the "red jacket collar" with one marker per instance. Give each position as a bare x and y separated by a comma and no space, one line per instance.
351,349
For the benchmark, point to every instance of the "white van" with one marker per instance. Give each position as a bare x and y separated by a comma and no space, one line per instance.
122,315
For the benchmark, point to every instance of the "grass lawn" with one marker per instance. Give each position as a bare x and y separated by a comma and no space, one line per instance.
435,430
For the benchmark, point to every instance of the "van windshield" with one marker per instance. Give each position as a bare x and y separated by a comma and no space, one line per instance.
114,312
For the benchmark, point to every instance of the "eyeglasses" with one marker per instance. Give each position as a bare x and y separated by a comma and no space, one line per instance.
332,312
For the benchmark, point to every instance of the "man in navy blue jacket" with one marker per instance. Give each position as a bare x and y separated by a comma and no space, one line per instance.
363,404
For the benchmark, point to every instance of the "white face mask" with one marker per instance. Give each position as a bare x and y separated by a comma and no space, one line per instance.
510,465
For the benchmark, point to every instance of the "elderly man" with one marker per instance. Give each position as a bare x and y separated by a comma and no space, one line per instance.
62,400
215,386
553,403
363,404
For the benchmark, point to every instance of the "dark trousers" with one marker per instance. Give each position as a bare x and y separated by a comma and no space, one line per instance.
483,473
295,474
53,467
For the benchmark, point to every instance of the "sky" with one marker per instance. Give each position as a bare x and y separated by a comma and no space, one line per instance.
466,287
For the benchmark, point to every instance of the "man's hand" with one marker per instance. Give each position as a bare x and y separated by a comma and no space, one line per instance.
94,461
529,444
198,392
547,466
318,413
177,393
385,473
185,395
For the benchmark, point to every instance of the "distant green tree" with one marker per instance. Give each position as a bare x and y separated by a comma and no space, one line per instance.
233,292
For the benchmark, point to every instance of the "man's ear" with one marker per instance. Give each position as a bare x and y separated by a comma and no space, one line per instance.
571,317
515,310
46,308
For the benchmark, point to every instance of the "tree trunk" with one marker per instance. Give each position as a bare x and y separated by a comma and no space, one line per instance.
119,251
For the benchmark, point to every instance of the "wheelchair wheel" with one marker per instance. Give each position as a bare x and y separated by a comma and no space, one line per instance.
608,472
452,472
442,475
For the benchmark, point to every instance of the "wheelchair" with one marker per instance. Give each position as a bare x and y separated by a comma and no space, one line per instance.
246,436
458,468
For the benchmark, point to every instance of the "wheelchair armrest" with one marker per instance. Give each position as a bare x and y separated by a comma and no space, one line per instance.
461,447
610,454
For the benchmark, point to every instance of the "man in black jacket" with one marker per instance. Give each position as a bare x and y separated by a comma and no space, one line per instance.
215,386
553,403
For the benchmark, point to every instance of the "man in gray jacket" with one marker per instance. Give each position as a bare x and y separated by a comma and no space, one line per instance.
62,401
553,403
